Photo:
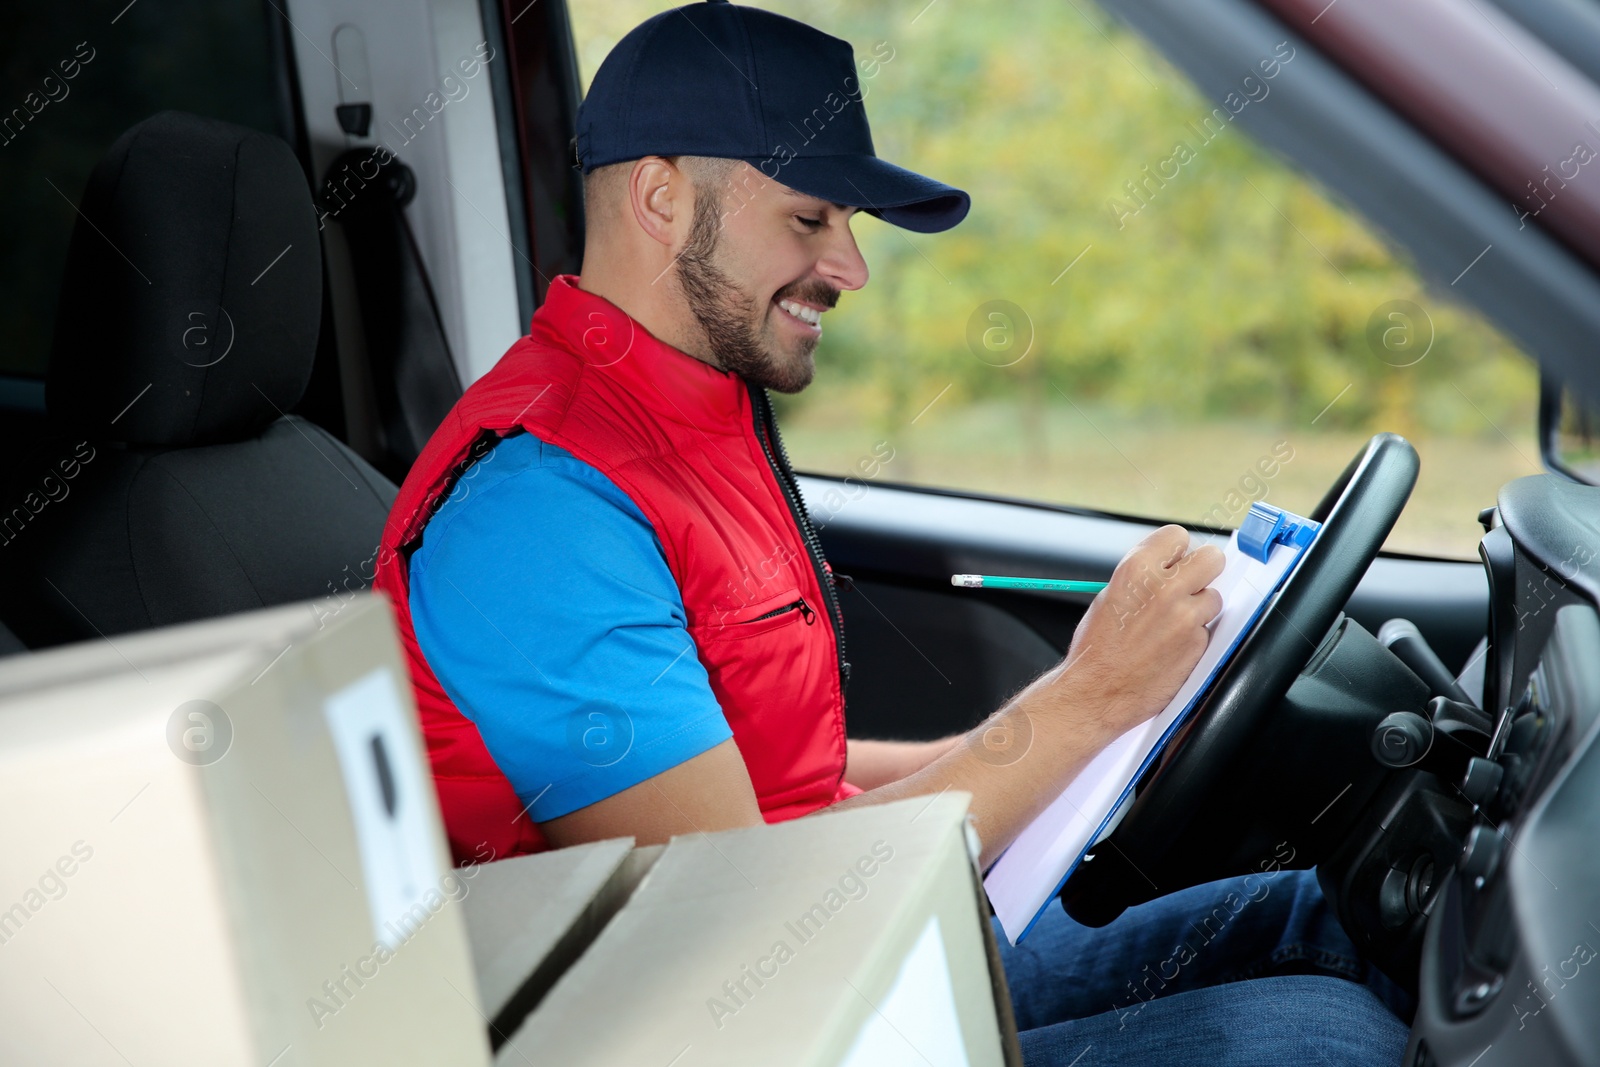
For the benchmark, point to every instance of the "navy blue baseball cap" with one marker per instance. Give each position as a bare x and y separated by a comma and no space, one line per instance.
735,82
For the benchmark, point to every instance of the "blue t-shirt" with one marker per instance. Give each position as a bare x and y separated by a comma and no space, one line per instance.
543,602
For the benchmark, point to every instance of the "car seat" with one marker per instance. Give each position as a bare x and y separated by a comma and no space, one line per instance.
186,331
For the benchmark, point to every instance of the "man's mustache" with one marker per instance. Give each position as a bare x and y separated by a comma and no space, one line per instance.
810,293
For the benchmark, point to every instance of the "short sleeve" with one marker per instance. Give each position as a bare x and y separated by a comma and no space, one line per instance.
542,600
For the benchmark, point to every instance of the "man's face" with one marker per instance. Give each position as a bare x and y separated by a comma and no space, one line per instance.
761,266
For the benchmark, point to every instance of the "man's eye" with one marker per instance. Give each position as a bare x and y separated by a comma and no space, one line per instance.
811,223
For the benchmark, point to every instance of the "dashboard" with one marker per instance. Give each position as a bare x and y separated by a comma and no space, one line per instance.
1510,963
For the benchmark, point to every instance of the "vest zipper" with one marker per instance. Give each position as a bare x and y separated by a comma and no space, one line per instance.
772,447
799,605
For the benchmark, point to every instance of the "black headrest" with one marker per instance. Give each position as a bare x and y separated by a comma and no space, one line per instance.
192,293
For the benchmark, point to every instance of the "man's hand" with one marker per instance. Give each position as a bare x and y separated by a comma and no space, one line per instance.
1139,639
1132,651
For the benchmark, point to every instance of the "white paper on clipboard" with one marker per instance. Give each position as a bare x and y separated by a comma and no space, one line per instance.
1032,870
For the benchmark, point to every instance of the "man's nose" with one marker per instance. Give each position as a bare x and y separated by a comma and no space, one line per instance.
843,265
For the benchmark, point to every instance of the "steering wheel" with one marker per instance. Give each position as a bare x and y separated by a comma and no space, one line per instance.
1151,851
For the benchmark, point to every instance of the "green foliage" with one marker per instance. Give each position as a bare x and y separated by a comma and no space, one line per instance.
1237,291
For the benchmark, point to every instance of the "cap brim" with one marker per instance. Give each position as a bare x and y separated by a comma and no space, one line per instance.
902,197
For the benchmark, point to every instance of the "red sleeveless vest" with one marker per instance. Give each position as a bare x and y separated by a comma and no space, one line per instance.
696,450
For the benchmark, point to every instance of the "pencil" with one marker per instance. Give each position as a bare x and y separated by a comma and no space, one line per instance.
995,581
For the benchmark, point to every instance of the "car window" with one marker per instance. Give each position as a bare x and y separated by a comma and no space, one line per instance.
1145,312
72,79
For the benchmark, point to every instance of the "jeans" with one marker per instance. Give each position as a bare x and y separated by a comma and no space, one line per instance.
1245,971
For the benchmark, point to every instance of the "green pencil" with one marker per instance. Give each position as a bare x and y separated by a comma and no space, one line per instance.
993,581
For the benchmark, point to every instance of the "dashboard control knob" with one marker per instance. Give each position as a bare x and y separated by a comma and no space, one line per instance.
1401,739
1482,781
1481,854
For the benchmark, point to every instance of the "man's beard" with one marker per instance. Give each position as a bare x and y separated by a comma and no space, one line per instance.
731,319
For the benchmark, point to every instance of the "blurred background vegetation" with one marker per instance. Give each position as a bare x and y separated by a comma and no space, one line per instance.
1238,316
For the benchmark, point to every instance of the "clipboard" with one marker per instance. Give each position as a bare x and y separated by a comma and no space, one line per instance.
1259,558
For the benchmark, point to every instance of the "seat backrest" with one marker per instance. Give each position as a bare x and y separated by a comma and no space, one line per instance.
173,486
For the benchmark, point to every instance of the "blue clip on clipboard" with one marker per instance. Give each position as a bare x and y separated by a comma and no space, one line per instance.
1260,557
1265,526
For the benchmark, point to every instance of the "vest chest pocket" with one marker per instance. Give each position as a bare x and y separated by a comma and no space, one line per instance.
788,608
775,673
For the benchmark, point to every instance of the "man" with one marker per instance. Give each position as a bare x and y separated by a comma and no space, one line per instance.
618,618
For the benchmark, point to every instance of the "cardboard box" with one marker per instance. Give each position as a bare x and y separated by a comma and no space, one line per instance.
530,917
852,939
223,848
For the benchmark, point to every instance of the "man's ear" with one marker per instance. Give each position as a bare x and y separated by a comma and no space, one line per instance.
659,193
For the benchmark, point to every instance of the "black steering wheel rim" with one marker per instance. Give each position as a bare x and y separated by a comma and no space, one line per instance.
1357,514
